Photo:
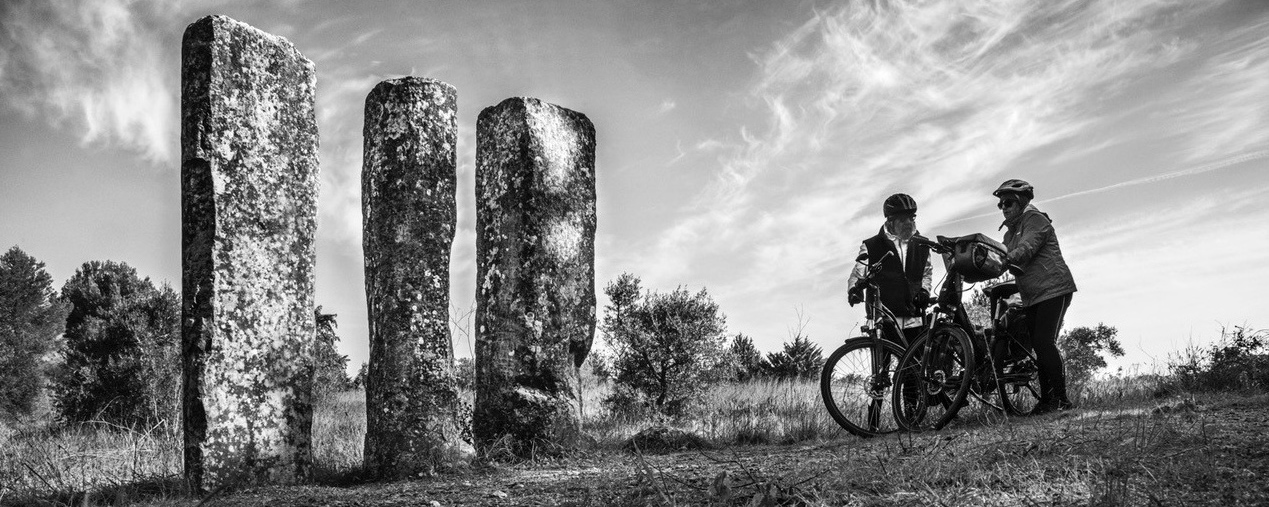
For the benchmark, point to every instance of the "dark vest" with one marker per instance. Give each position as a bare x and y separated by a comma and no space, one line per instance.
898,285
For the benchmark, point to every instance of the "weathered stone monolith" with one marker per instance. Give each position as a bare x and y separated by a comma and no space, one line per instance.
535,269
249,212
415,421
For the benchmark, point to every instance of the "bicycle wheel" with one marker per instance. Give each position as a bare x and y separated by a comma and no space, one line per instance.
855,385
1020,386
933,379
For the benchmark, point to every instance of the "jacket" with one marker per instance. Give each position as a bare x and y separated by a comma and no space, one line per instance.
898,281
1033,246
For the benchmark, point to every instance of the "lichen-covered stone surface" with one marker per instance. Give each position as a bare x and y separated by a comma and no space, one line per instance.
535,296
415,421
249,212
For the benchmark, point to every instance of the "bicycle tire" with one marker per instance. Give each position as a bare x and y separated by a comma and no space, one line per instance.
933,379
1020,387
855,382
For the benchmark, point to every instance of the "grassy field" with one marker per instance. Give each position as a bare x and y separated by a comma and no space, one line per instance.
113,464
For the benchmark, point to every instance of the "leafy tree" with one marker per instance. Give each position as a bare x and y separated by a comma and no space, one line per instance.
664,346
1082,350
359,381
162,357
600,365
330,372
31,319
121,347
465,370
799,360
747,362
977,310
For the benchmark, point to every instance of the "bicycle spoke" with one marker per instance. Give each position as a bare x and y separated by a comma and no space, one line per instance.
931,382
855,385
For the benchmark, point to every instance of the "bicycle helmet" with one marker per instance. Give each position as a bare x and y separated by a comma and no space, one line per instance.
1018,187
899,204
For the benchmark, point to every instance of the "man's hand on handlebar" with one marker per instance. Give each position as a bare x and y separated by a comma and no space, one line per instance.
940,245
855,295
921,299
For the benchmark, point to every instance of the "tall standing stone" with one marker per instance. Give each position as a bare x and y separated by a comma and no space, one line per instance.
248,212
415,420
535,294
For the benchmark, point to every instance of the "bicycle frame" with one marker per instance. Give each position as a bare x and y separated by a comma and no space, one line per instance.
876,315
859,406
989,343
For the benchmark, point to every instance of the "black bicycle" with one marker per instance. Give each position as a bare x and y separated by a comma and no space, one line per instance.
955,359
856,379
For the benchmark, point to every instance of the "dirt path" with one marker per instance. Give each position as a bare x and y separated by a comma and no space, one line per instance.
1177,453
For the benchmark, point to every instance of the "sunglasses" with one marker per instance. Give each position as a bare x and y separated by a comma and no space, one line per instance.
1006,204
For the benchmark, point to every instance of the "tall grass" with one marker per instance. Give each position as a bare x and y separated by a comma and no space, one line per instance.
69,462
105,462
783,412
339,435
757,412
112,462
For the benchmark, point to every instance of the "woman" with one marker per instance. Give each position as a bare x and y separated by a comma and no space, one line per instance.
1044,283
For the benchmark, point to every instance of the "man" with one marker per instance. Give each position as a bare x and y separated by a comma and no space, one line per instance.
1044,283
904,279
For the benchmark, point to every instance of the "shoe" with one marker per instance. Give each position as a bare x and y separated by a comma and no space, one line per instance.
1046,407
1022,366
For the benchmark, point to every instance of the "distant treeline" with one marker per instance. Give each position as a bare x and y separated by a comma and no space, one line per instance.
106,347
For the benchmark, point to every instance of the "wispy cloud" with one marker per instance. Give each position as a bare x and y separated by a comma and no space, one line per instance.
941,100
666,106
108,69
1221,110
931,98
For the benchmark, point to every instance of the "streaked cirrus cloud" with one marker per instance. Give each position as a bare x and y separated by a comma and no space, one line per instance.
106,69
943,100
932,98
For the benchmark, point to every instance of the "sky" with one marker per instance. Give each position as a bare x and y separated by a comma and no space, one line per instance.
743,146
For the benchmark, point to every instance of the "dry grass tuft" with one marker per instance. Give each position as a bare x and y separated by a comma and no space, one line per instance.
89,461
104,463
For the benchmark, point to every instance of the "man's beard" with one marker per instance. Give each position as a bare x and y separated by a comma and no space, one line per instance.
903,231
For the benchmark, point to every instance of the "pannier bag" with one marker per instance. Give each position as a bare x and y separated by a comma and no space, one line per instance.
978,257
1014,322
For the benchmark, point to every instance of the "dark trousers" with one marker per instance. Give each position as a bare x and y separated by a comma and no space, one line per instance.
1046,322
912,333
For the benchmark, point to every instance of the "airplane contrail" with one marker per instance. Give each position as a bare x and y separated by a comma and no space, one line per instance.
1176,174
1141,181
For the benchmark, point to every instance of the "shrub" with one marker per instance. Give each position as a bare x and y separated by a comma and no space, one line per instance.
800,360
746,362
665,347
1237,361
122,359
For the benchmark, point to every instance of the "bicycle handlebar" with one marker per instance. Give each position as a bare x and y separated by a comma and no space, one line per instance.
942,245
870,269
946,245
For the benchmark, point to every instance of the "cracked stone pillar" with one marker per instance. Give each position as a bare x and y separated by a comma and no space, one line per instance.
535,269
248,214
415,421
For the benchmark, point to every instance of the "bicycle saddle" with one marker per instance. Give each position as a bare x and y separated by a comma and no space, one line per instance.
1001,290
